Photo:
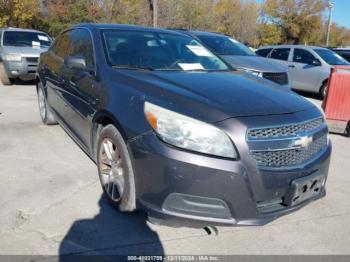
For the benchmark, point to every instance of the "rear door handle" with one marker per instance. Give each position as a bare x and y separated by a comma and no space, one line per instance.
292,66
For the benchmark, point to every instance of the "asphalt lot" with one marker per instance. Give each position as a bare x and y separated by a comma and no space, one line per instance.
51,202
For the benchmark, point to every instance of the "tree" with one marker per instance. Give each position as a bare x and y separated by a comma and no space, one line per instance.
18,13
298,20
226,16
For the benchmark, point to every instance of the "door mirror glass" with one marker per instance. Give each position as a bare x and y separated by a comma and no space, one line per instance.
73,62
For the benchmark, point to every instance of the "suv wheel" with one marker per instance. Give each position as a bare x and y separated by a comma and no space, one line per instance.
3,75
323,90
44,109
115,169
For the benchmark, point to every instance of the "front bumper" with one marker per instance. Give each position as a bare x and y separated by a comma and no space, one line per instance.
182,188
24,69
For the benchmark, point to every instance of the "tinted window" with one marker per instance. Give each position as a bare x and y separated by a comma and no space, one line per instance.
263,52
331,57
82,46
157,51
222,45
303,56
22,38
64,45
280,53
346,56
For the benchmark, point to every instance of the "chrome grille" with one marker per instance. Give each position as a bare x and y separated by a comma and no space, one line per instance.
289,157
32,59
284,131
279,78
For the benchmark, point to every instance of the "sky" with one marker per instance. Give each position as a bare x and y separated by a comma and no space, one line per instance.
341,12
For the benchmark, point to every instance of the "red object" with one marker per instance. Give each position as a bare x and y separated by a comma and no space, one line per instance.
337,101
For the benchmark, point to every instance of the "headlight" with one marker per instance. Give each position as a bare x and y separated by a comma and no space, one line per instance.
13,57
256,73
188,133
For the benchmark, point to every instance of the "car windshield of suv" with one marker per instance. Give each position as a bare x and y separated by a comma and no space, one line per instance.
158,51
331,57
22,38
221,45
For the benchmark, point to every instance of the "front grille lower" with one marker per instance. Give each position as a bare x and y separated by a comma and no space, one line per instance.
289,157
285,130
279,78
32,59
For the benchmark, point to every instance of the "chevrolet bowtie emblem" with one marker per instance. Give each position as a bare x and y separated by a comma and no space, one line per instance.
303,142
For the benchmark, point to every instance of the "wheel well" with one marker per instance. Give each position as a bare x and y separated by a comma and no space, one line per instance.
98,124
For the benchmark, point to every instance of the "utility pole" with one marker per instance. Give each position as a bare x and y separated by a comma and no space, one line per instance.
330,7
155,13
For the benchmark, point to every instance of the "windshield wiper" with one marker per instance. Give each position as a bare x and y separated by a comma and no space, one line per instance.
135,68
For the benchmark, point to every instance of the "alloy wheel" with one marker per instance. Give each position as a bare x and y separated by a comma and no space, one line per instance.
111,169
42,103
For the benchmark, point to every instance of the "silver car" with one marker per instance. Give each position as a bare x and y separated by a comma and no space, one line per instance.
19,53
309,66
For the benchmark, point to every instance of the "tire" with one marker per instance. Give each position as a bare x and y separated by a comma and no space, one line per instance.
44,109
347,130
323,90
115,169
3,75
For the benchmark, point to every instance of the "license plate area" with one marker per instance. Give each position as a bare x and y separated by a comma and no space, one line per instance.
304,188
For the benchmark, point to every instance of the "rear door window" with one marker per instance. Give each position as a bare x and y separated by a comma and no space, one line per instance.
263,52
303,56
280,54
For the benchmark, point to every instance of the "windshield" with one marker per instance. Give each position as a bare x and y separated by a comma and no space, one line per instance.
158,51
331,57
222,45
22,38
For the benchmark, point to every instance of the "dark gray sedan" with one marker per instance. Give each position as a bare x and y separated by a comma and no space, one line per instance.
175,132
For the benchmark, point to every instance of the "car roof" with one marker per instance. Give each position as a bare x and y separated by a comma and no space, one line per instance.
126,27
204,33
291,46
20,30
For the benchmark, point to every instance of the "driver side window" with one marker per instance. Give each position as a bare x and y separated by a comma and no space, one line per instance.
303,56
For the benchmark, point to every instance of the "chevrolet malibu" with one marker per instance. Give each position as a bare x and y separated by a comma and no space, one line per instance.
176,132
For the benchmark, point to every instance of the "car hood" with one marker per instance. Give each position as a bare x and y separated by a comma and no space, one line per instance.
24,50
256,63
214,96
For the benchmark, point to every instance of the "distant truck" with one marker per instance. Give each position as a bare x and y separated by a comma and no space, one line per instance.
19,53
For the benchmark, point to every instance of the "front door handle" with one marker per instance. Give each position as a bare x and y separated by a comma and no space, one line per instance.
292,66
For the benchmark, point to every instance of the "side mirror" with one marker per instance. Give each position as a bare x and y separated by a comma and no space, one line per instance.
316,62
74,62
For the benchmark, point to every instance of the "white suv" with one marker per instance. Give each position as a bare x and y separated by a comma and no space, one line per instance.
309,66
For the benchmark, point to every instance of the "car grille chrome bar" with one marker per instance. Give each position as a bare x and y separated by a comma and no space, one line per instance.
285,130
283,147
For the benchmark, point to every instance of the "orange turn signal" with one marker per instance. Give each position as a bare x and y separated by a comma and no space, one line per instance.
152,120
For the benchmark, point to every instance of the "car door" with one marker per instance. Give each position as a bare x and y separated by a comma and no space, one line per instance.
82,88
304,71
281,55
53,68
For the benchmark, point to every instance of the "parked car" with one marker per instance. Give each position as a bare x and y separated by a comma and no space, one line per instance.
176,133
343,52
241,57
309,66
19,53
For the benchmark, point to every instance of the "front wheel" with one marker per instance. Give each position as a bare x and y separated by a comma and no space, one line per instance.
44,109
115,169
